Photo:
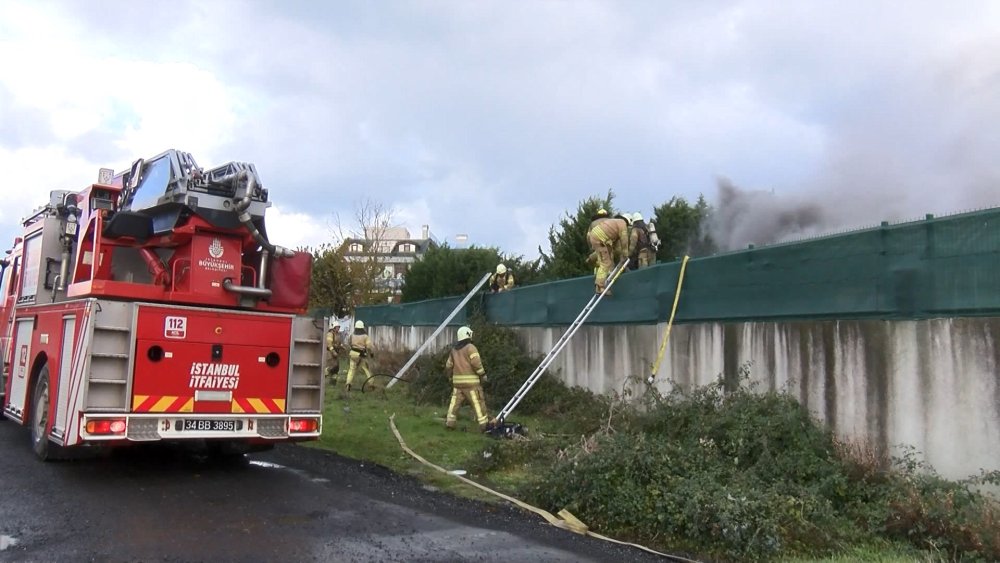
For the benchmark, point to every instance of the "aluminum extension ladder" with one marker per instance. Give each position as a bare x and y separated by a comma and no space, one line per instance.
413,358
560,344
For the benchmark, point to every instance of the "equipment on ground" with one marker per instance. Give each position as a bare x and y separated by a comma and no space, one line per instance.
501,418
151,306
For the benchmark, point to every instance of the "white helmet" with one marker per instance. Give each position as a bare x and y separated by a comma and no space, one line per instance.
636,217
501,269
359,324
464,333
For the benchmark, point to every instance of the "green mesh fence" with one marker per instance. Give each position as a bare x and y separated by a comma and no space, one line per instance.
936,267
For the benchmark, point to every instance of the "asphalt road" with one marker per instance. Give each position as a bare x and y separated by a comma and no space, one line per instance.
291,504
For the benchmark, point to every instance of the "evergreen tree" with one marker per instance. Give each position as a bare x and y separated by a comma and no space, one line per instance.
445,272
681,229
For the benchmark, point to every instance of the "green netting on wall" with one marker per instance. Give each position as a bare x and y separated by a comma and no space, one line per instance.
935,267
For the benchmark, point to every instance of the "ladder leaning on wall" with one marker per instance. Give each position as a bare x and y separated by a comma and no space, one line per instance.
437,331
560,344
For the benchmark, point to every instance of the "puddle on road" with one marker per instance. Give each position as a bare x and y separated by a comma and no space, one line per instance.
266,464
299,472
7,541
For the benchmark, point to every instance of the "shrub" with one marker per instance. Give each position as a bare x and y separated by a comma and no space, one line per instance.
748,476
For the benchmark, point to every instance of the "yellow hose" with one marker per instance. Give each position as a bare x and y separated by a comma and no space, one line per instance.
566,522
670,323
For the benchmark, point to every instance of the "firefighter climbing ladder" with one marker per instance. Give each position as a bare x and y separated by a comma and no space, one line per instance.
560,344
437,331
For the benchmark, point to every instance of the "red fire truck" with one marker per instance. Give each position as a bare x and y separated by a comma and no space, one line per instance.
151,306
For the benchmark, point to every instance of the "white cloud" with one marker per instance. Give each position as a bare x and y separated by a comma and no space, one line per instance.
294,229
492,118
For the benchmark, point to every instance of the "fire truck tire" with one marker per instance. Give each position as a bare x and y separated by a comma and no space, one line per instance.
45,450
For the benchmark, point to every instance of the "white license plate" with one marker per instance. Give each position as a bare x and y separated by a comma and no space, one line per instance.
210,425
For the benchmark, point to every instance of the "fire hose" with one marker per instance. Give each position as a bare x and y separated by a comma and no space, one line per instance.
666,337
566,520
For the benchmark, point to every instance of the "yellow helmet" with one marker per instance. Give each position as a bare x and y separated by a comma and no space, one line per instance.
464,333
359,324
501,269
602,211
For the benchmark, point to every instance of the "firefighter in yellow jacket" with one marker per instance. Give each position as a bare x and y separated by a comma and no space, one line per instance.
361,349
609,239
333,353
466,370
502,281
640,245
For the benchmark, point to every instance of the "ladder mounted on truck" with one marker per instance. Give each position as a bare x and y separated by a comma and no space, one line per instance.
437,331
502,427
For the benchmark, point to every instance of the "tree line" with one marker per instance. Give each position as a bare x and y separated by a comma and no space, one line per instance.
340,283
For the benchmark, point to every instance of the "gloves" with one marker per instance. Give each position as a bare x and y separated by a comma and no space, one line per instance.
485,378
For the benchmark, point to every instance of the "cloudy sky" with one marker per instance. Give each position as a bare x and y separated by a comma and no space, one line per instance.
493,118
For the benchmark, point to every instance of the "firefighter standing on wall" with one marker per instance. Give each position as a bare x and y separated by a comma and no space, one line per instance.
466,370
609,239
332,345
361,349
502,280
640,245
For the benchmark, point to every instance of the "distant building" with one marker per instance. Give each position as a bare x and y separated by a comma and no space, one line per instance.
394,249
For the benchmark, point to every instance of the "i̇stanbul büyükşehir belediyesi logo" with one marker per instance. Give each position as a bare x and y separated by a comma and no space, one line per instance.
214,262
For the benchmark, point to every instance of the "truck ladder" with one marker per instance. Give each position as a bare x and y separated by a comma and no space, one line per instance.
436,332
560,344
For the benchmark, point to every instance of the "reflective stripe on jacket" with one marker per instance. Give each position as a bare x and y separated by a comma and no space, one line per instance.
465,364
609,231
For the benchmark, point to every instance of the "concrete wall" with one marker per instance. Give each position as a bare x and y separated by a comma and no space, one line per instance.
930,384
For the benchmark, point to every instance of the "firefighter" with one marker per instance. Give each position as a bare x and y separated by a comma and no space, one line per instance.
641,253
609,239
600,215
333,353
361,349
467,373
502,280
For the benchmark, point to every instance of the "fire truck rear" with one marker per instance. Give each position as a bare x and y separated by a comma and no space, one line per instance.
152,306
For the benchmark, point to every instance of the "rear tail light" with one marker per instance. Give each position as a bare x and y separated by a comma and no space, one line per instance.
108,426
302,425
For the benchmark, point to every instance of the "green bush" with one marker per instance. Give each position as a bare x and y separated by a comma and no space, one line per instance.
751,476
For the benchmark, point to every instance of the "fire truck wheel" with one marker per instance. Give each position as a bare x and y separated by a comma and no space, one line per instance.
44,449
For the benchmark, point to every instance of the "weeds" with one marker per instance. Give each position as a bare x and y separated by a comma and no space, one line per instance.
744,475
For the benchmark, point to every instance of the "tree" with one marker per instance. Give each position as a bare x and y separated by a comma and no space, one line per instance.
526,272
680,227
330,285
372,221
339,282
568,246
444,271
